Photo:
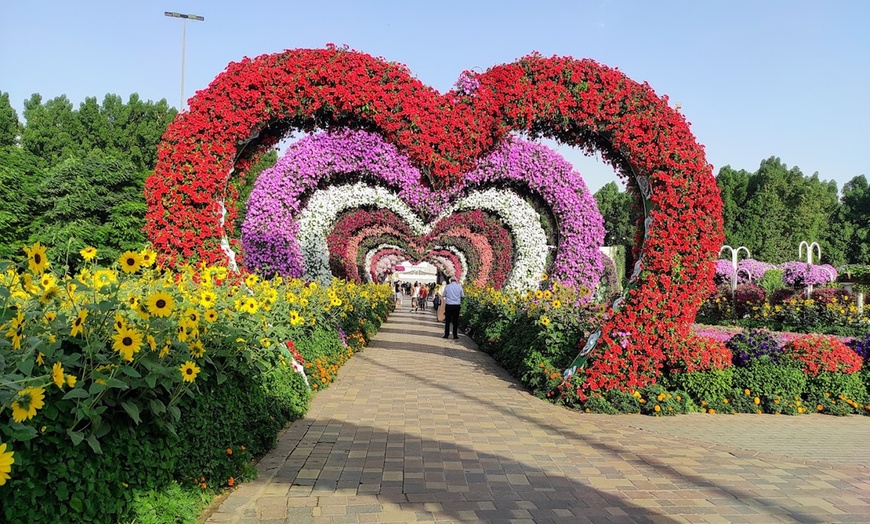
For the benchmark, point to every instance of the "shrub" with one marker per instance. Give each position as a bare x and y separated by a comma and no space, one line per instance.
708,389
753,345
657,401
623,401
831,295
772,282
782,295
767,379
697,353
861,346
596,403
837,393
818,353
747,297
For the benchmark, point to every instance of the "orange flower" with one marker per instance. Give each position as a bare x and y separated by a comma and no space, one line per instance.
231,481
229,451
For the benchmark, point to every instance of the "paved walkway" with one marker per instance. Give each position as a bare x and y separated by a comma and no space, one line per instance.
422,429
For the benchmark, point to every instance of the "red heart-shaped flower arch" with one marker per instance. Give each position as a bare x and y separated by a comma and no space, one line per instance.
581,103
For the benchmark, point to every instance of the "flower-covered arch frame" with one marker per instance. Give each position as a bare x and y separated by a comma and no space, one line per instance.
580,103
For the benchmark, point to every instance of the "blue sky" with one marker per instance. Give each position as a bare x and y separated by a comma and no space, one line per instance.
755,78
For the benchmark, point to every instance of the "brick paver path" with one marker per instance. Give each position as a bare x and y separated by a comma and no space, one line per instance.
421,429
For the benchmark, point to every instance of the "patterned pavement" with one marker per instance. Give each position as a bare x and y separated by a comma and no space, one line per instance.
422,429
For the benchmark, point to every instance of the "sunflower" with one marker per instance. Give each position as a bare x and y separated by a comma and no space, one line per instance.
88,253
251,306
120,321
160,304
210,315
48,280
57,374
152,343
545,321
556,304
128,342
71,381
28,401
78,326
7,458
16,330
251,280
49,294
189,371
197,350
36,258
147,257
130,262
191,317
539,294
207,299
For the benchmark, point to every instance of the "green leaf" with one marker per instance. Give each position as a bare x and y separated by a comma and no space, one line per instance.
130,371
26,366
221,378
175,412
151,380
94,444
157,407
76,503
96,387
21,432
76,393
132,410
76,436
115,383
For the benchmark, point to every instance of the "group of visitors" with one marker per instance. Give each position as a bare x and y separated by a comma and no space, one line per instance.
446,299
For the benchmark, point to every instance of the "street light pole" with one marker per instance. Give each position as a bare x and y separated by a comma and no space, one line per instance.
184,19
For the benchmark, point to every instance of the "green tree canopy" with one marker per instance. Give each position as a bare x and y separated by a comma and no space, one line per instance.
19,177
774,209
620,212
96,200
9,125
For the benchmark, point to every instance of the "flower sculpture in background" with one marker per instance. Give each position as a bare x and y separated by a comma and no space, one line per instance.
581,103
290,214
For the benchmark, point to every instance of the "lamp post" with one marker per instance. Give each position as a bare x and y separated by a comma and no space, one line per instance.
734,255
809,248
184,19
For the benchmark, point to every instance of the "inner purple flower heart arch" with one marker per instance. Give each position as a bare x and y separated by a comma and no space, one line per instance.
273,235
580,103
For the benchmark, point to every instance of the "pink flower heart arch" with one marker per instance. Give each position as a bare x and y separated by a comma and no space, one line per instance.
580,103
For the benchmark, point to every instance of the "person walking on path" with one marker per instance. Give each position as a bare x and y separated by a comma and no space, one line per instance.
415,297
453,295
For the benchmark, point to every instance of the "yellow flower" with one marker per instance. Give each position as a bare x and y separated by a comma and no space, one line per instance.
189,371
757,401
197,350
40,358
128,342
71,381
50,316
160,304
88,253
207,299
545,321
657,408
57,374
78,326
147,257
539,294
190,318
251,280
130,262
547,294
24,407
210,315
747,392
556,304
16,330
36,259
7,458
544,277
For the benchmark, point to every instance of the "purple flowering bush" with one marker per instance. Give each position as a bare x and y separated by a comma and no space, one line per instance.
861,346
751,270
800,274
753,345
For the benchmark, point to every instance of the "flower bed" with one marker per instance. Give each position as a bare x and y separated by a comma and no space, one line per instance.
126,379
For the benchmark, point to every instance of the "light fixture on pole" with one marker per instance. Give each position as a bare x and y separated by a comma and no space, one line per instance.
184,19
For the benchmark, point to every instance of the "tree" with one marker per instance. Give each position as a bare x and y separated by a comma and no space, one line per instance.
97,201
19,179
852,224
52,131
9,125
620,213
774,209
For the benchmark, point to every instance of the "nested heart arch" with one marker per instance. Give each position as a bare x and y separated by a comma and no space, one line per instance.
577,102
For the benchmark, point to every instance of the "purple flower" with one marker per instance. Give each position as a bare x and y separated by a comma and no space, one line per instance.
800,274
